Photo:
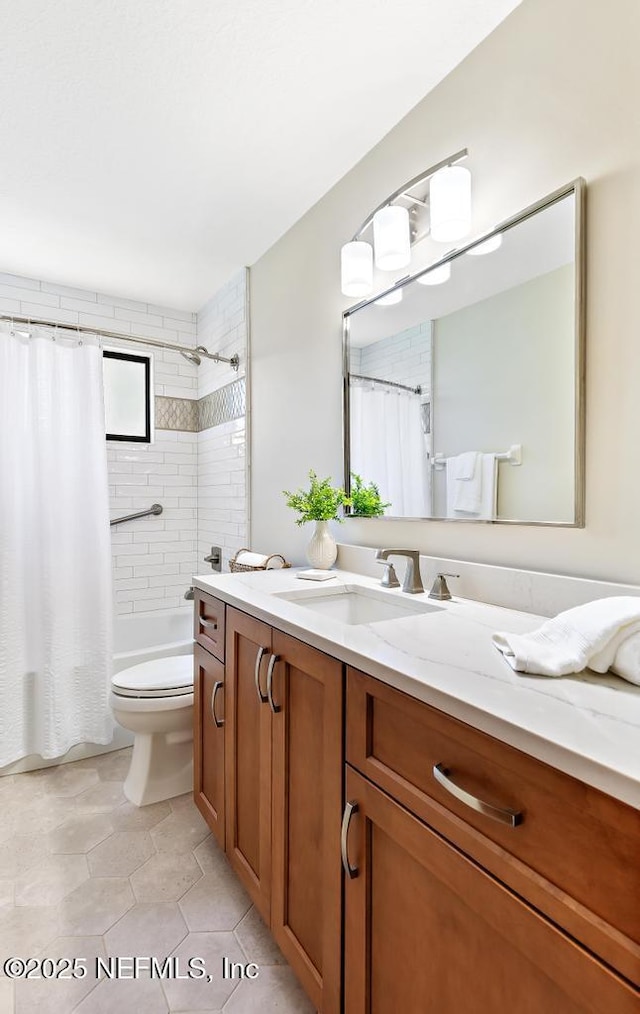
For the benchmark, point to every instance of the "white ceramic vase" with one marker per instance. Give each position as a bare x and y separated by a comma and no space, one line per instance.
322,550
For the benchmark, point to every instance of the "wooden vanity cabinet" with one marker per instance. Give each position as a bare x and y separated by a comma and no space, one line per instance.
208,741
208,712
283,793
444,908
248,756
428,931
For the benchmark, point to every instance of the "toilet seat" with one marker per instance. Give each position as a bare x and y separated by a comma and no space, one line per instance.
171,676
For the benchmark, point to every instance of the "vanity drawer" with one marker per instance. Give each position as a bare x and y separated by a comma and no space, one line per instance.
573,851
209,617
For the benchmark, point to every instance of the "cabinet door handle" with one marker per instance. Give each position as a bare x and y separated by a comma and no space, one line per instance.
208,624
274,707
349,810
261,697
218,722
504,815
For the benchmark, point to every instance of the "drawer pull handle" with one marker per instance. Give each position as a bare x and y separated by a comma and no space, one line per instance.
208,624
272,662
259,656
349,810
218,722
504,815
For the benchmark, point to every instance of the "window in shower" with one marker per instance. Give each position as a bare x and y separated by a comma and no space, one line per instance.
127,396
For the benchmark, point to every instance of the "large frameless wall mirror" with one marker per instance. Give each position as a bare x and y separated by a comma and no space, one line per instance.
464,387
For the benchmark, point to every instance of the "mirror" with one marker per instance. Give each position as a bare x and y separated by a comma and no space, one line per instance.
464,400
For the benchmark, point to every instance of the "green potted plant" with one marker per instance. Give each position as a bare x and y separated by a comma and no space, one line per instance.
366,501
320,503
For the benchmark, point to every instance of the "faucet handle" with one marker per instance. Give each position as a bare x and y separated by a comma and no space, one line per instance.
439,589
389,578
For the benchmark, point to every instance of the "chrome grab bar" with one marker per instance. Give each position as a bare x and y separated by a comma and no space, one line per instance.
506,816
155,508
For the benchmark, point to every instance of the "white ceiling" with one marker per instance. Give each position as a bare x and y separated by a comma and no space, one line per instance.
151,148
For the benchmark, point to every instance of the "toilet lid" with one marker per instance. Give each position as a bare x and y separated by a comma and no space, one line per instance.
161,677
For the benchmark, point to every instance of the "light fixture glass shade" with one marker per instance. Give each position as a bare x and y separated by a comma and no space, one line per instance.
450,203
395,296
356,264
488,246
392,238
437,276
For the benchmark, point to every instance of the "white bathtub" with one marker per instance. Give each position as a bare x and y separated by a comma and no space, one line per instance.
142,637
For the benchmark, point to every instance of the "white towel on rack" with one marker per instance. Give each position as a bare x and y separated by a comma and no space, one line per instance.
599,635
466,464
474,497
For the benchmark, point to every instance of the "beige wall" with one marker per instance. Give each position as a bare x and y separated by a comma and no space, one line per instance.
552,94
503,374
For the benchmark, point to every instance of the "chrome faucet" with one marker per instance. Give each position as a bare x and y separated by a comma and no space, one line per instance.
412,582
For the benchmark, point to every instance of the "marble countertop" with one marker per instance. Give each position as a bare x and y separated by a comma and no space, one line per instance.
585,725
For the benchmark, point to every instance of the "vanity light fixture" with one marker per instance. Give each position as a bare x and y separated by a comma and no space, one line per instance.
489,245
392,238
437,202
451,204
436,276
391,298
357,268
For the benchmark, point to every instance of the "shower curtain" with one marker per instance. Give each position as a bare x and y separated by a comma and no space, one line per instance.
55,553
388,448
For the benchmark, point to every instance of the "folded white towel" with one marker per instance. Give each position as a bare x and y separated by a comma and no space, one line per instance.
464,482
474,497
466,464
627,660
587,636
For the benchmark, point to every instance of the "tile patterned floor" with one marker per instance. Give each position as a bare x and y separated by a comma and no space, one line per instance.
84,873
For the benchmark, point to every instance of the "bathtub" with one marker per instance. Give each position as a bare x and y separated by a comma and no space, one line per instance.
136,638
143,637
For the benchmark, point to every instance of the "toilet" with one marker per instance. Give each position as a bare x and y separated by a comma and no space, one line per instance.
154,701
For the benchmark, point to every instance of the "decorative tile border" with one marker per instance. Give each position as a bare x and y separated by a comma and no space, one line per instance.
223,405
191,416
176,414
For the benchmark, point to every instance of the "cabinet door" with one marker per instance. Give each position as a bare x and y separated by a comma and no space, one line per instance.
428,930
208,740
248,756
305,697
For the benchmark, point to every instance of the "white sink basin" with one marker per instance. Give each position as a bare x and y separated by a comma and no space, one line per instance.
353,604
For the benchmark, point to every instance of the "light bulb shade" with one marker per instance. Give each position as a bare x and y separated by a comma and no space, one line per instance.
450,203
356,263
488,246
395,296
436,276
392,238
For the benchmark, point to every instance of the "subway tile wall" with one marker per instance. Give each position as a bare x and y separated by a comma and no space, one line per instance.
153,558
404,358
199,478
223,511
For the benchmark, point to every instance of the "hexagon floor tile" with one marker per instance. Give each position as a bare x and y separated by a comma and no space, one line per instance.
104,877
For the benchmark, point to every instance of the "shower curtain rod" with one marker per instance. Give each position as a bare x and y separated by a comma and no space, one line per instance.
199,351
387,383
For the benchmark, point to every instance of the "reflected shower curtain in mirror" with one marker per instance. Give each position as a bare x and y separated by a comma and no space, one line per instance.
388,447
55,552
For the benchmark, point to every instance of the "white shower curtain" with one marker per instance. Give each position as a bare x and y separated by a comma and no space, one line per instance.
55,554
388,448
